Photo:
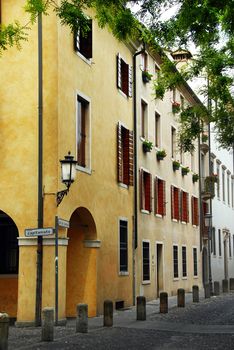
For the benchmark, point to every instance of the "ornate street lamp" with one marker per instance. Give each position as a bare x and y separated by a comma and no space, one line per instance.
68,174
208,224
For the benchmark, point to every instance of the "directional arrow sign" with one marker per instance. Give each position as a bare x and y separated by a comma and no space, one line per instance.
63,223
34,232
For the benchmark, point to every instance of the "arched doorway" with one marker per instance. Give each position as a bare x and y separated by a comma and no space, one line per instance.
9,263
81,262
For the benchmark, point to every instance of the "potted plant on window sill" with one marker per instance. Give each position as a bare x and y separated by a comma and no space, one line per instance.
175,107
161,154
146,76
195,178
185,170
147,146
175,165
204,145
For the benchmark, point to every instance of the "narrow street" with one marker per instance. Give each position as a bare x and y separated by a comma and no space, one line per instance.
205,325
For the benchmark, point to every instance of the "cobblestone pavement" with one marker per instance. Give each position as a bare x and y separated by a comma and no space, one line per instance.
205,325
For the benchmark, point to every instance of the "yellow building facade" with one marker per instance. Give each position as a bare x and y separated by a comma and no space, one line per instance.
87,110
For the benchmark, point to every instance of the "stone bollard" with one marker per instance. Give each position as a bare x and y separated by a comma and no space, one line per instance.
4,330
141,308
231,283
195,294
108,313
82,318
163,303
216,288
47,330
181,297
207,290
225,286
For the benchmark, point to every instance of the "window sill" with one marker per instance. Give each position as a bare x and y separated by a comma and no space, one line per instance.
195,277
183,222
86,60
122,93
123,273
159,216
176,279
8,275
175,220
143,211
84,170
121,184
185,278
195,226
145,282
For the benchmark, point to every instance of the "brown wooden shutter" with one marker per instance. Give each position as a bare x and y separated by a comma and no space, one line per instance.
150,197
183,209
160,197
193,209
148,189
118,69
164,198
155,195
119,154
131,160
129,81
141,192
187,207
177,202
172,203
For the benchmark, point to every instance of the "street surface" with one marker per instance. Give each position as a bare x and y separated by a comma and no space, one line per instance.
205,325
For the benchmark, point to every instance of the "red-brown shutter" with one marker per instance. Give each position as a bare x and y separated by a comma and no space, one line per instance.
193,210
172,203
150,204
177,203
187,207
164,198
131,160
118,66
147,188
119,154
155,195
125,150
160,197
141,192
196,212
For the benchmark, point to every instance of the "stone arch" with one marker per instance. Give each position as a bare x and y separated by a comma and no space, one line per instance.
81,262
9,264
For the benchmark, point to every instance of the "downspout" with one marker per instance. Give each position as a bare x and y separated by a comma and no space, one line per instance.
135,181
40,176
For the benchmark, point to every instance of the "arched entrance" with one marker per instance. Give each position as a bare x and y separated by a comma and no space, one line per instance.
81,262
9,263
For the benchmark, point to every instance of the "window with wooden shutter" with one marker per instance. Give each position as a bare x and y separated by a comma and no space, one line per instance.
83,110
124,76
160,200
175,203
195,213
83,42
124,155
146,190
184,207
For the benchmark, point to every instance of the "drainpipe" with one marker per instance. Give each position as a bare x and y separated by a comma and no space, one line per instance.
135,240
40,174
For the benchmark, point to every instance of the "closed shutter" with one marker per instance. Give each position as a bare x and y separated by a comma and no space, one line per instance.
177,203
131,160
164,198
156,195
193,210
118,65
187,207
196,212
160,197
141,192
119,154
147,188
150,197
172,203
129,81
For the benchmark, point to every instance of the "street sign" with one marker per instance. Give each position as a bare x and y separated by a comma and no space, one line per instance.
35,232
63,223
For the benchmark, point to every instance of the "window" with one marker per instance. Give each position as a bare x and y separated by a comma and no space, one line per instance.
230,247
123,246
173,142
184,262
184,206
83,131
228,188
218,175
220,242
124,76
157,129
146,190
194,261
175,261
195,213
83,42
175,202
213,241
125,155
160,196
144,111
223,183
146,260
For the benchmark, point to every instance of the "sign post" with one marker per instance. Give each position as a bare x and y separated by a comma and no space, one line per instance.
56,270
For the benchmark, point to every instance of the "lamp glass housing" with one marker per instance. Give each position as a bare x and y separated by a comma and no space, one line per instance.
208,218
68,171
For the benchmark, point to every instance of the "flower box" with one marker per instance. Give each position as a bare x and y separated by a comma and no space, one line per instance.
147,146
176,165
161,154
175,107
184,171
146,76
195,178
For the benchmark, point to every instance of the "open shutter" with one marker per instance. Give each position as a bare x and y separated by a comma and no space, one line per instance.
125,150
193,210
155,195
196,212
164,197
119,80
129,81
119,154
172,203
131,160
77,40
141,192
187,207
150,194
178,204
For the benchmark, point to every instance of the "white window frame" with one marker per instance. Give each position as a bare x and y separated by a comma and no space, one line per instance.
184,246
123,273
195,247
176,245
